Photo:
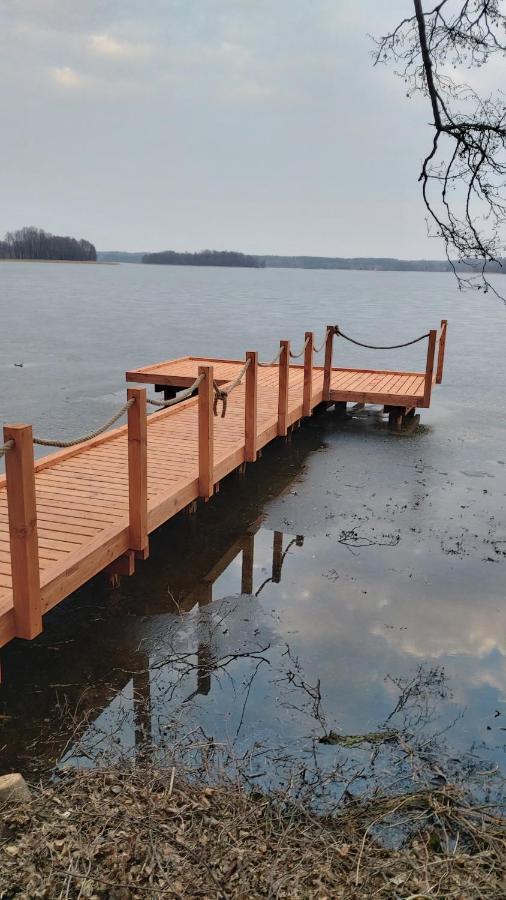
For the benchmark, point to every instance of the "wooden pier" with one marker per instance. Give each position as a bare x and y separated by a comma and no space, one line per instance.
91,507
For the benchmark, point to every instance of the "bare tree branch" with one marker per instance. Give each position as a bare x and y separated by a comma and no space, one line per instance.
463,175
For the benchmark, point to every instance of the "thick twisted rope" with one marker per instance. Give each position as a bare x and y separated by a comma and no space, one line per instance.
296,355
183,395
222,394
87,437
4,448
274,361
317,349
339,333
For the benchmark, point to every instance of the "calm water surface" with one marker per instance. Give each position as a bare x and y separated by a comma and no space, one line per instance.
351,582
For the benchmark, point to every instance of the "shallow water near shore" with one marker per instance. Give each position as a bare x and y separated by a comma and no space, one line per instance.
352,583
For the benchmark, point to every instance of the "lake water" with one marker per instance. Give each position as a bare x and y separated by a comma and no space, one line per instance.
353,581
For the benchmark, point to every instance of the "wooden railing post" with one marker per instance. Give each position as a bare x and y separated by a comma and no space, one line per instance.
429,368
250,408
138,472
328,361
24,545
284,375
307,399
441,351
206,433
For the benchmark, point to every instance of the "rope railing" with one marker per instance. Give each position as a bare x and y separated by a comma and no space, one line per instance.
296,355
318,349
340,333
274,361
4,448
183,395
222,394
44,442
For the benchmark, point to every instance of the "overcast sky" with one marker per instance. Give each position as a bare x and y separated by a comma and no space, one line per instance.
256,125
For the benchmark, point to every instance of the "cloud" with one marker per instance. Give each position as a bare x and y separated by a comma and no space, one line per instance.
68,78
113,48
251,90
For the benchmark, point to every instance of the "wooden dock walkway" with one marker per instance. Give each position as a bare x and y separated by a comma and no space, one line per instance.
92,506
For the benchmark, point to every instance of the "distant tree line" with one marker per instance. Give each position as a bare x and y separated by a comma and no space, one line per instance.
377,264
35,243
204,258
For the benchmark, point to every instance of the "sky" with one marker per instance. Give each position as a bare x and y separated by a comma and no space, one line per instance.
253,125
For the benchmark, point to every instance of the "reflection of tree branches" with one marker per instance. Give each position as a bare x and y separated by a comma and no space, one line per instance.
248,691
354,541
417,694
294,677
292,762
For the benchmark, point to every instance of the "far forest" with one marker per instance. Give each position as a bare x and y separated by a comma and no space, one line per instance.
204,258
35,243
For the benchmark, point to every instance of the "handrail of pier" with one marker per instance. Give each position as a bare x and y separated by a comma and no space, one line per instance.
18,442
22,507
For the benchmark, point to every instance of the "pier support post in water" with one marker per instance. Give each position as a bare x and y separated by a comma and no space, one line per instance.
284,374
138,473
441,351
250,408
329,342
429,369
206,433
307,399
24,545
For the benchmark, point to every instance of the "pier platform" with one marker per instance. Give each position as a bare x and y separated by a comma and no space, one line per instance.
91,506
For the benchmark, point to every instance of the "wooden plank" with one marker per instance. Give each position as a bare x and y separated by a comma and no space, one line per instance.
24,547
167,362
431,350
138,471
307,394
328,361
206,433
251,408
283,370
441,351
77,568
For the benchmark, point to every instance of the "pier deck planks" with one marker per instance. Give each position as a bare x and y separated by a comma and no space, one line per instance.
82,492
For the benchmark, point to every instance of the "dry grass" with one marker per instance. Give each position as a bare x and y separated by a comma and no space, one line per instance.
145,832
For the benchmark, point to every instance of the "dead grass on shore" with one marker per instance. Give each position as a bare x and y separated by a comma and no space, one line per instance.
145,832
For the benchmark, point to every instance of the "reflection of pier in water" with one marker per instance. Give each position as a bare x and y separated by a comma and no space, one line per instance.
203,592
208,656
49,706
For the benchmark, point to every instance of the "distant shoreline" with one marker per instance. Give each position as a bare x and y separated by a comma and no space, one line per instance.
78,262
321,263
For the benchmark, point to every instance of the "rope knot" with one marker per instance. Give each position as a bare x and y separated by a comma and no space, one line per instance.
220,396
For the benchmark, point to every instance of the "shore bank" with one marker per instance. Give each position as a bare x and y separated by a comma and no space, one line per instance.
142,831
